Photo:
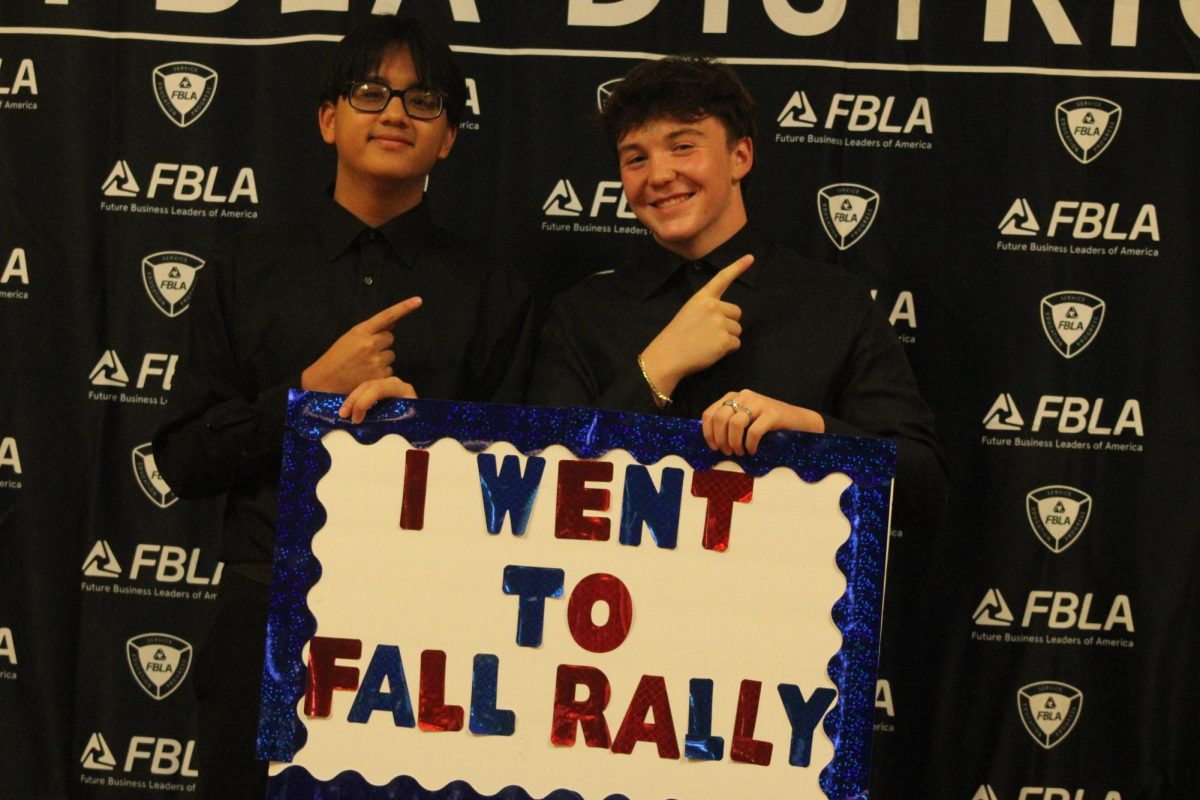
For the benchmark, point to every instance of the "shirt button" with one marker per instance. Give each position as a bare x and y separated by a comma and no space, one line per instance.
368,280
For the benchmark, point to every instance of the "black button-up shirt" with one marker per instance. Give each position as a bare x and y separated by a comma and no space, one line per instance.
272,300
811,337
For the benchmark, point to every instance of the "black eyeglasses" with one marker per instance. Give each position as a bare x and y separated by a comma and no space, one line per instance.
373,97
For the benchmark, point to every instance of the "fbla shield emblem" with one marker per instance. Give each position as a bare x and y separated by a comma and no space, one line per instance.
1049,710
148,479
1071,320
170,278
1086,126
159,662
847,211
184,90
1058,515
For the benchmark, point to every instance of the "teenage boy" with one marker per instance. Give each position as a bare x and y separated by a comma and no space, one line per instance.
370,298
715,320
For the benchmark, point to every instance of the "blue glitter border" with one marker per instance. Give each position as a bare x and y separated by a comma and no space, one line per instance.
588,433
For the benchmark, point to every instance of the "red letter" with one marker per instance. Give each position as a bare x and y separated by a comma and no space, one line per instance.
324,675
593,589
432,712
416,478
588,713
574,498
745,747
651,694
723,489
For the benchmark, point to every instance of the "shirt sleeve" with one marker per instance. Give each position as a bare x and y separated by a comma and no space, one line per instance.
563,375
226,432
879,397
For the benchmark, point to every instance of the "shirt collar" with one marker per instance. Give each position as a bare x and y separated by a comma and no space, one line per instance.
657,265
407,234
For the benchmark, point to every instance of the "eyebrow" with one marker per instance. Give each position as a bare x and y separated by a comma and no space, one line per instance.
673,135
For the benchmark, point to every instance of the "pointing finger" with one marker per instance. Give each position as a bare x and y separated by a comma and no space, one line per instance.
725,278
391,315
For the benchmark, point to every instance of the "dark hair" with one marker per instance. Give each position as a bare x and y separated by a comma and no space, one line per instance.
361,52
685,88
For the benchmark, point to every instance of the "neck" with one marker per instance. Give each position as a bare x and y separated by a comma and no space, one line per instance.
706,241
376,203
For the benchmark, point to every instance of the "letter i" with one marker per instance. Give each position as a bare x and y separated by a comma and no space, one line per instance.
416,479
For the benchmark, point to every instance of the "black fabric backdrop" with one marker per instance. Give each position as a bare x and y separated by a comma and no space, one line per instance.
955,130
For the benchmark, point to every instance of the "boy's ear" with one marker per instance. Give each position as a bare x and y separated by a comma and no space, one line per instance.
325,121
742,154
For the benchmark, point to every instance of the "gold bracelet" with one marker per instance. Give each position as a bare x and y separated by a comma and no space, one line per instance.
663,400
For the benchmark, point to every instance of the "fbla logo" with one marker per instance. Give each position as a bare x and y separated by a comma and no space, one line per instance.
993,610
472,104
863,113
1049,711
986,792
120,181
184,90
604,91
148,478
25,79
10,457
1058,515
847,211
1003,415
109,371
101,562
97,754
186,182
798,113
1073,415
1086,126
157,755
1019,221
166,563
170,279
16,267
1061,610
159,662
562,202
1084,220
1071,320
8,647
885,722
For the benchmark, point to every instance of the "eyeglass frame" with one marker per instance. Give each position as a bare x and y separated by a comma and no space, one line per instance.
347,92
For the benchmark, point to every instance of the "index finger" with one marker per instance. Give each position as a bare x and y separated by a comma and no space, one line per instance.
391,315
725,278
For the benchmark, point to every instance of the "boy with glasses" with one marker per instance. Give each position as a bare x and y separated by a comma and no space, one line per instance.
370,299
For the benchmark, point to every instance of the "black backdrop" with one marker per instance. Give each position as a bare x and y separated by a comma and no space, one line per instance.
1044,284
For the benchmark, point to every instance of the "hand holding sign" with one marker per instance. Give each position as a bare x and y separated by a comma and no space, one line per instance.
361,354
703,331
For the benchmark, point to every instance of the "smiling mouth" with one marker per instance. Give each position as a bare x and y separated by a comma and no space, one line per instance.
671,202
391,140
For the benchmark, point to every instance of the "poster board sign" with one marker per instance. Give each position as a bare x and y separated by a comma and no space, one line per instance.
528,600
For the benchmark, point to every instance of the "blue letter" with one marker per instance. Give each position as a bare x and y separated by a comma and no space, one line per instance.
485,717
804,717
659,509
533,585
371,697
507,492
699,744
